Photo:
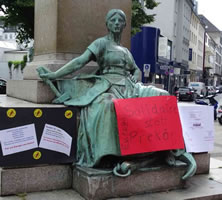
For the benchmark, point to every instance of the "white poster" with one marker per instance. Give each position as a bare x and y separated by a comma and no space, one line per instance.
56,139
198,127
18,139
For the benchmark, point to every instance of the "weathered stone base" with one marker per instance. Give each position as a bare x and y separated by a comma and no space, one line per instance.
35,179
203,162
94,185
30,90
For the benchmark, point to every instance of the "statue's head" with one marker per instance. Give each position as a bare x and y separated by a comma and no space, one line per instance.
115,16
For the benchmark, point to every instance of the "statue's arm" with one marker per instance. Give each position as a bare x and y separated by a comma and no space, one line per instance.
137,73
70,67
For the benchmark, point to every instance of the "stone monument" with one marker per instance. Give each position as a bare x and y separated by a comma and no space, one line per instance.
98,144
58,39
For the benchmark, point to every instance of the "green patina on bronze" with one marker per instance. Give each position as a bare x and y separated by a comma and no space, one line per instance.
116,78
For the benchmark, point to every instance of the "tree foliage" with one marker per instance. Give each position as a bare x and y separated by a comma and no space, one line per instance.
139,17
20,13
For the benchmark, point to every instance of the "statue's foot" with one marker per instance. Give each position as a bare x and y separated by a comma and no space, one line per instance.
181,155
192,165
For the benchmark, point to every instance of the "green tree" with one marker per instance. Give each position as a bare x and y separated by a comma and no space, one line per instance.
20,13
139,17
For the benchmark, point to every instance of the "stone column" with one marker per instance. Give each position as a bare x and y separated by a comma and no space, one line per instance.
63,30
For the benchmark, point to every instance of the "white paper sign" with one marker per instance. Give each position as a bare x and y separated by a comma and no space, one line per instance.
198,127
18,139
56,139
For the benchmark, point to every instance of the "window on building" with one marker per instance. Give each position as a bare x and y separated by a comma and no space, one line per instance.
190,54
194,57
201,31
218,58
175,29
211,59
199,60
169,50
200,45
176,6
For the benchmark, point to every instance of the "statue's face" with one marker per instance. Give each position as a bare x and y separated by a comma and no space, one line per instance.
116,23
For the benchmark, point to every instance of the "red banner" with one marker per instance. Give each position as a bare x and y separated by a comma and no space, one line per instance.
148,124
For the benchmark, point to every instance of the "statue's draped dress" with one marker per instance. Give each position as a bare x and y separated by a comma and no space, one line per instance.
98,132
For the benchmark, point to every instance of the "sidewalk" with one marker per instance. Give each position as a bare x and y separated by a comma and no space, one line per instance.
199,187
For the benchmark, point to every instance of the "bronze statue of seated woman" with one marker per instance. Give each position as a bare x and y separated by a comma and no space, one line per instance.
117,78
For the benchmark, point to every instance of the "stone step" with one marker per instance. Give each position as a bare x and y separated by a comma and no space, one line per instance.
55,177
96,185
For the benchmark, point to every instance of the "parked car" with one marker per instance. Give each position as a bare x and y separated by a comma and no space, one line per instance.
219,87
210,90
219,114
186,93
2,86
199,87
216,89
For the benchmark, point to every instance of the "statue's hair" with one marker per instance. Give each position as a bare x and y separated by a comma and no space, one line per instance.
112,12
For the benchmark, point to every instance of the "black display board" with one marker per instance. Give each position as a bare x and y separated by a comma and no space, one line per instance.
64,118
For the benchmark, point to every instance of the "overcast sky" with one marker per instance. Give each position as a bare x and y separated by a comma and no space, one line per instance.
212,10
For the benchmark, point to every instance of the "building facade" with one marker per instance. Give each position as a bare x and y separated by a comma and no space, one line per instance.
216,38
196,48
173,18
210,59
194,44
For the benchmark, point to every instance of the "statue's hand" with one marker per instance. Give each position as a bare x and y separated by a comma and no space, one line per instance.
45,73
133,79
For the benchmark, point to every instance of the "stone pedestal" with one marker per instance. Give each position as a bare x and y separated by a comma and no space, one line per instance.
203,162
15,180
30,90
35,179
90,183
63,30
94,185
